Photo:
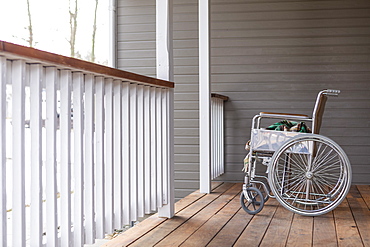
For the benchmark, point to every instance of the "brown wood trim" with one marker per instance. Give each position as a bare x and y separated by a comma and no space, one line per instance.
223,97
69,62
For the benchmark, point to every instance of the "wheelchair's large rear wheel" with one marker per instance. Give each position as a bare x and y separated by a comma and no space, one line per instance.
310,175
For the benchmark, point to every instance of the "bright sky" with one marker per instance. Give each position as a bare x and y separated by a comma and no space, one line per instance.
50,21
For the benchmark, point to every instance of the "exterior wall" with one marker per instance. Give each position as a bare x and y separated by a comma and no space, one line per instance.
266,56
277,55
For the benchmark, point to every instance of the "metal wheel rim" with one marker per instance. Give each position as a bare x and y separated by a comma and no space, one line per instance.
316,185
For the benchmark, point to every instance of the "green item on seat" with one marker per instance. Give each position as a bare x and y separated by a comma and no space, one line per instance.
286,125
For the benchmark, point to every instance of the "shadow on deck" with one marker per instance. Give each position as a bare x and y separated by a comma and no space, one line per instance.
217,219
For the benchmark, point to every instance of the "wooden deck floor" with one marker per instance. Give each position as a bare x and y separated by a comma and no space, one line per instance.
217,219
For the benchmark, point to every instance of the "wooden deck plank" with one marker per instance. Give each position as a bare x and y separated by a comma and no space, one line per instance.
160,232
207,231
361,214
254,232
347,233
153,221
231,231
179,235
301,231
217,219
324,233
365,193
279,228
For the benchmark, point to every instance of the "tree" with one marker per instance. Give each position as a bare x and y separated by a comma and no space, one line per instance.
94,33
30,29
73,27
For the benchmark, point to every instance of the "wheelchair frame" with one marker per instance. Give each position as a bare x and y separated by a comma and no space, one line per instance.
309,174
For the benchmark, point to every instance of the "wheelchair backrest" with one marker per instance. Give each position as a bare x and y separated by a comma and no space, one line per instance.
319,108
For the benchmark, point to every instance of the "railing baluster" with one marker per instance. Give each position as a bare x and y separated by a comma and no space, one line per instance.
153,146
105,146
159,147
89,159
164,154
168,210
65,157
125,176
3,199
51,79
147,149
133,151
118,153
217,137
109,155
100,175
222,142
18,164
140,151
212,139
36,78
78,129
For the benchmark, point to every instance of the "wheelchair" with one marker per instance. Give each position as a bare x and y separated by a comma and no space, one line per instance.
309,174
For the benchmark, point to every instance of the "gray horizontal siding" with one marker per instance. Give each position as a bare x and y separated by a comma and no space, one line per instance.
276,56
267,55
136,53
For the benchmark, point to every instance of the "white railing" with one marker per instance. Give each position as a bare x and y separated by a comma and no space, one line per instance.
217,135
85,149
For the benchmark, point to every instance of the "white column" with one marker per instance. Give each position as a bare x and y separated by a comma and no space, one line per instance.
204,97
3,213
113,33
164,40
164,51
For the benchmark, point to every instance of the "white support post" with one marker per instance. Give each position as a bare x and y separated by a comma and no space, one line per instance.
113,33
164,51
3,213
204,97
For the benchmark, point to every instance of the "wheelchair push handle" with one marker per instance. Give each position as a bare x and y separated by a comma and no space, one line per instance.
332,92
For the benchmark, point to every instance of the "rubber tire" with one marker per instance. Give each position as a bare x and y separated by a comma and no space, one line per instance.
257,202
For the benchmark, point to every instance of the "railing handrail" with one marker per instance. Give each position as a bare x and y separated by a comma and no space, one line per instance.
219,96
73,63
108,137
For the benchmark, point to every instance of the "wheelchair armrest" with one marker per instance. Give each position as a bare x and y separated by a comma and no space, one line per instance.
283,115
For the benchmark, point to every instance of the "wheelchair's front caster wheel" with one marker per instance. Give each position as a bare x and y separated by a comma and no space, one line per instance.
254,203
